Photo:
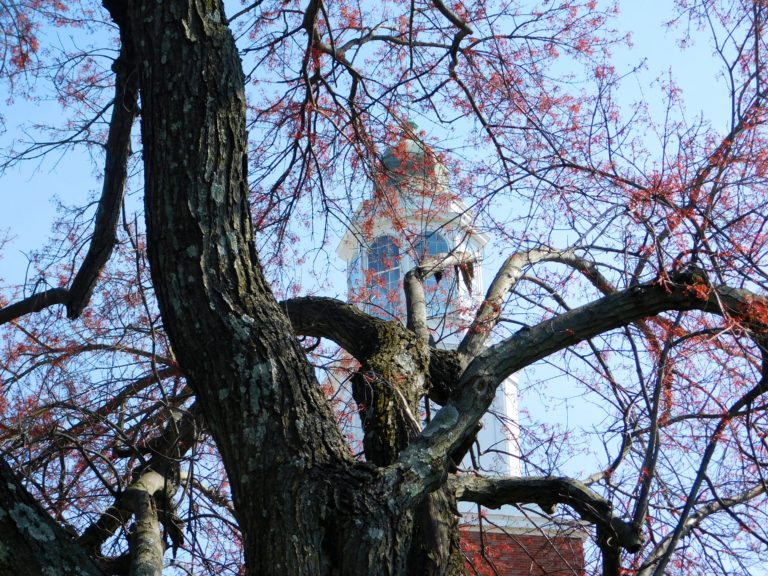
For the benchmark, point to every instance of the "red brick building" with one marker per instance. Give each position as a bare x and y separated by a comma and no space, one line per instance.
521,546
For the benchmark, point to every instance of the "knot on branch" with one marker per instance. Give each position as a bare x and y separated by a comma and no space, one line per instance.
690,275
628,535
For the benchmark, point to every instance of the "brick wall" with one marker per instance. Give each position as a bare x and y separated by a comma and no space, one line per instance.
521,554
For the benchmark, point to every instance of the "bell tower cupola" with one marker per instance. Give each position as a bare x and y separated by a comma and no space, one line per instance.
412,214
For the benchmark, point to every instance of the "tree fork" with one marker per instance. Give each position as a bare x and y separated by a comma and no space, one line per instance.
254,386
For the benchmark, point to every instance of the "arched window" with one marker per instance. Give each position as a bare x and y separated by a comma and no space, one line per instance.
438,293
384,272
430,244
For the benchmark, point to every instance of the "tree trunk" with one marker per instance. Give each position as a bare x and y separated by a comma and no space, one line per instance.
303,505
387,389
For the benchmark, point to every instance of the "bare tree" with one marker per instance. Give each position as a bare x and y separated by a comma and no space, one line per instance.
655,303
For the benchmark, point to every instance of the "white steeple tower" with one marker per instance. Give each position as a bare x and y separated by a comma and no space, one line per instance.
412,214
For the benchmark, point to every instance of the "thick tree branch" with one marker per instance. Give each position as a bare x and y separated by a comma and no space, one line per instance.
103,240
146,547
425,459
547,493
158,477
616,310
510,273
415,299
416,304
34,303
345,324
613,533
118,150
361,335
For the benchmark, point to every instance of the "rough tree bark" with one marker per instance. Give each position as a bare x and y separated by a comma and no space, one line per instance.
31,543
304,507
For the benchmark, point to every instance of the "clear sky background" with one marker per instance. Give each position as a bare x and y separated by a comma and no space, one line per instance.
26,192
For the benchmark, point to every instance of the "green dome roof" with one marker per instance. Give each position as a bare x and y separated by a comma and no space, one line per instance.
409,156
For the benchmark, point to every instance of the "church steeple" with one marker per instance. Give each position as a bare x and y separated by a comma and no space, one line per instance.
413,214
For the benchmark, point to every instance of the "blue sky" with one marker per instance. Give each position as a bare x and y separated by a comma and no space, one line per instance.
26,191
